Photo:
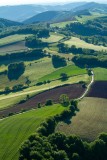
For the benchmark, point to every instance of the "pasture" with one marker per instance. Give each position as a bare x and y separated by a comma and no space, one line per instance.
70,70
100,74
89,122
73,91
81,43
62,24
13,39
85,18
16,129
39,70
11,99
34,70
53,38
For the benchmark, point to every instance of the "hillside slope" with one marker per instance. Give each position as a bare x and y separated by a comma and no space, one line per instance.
8,23
23,12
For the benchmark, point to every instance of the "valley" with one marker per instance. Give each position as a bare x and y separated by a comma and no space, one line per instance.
53,82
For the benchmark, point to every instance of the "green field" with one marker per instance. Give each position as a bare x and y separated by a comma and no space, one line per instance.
53,38
100,74
13,98
70,70
80,43
39,70
84,19
61,24
13,39
16,129
90,121
36,70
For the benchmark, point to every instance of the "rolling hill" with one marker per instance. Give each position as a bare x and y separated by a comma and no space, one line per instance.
56,16
93,7
61,15
8,23
23,12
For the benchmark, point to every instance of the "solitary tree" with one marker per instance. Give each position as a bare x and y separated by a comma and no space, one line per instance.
64,100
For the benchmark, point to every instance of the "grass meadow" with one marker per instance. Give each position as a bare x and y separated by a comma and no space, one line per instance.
53,38
13,39
70,70
11,99
16,129
80,43
100,74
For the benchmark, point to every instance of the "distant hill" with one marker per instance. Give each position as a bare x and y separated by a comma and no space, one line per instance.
55,16
43,17
23,12
60,16
93,7
8,23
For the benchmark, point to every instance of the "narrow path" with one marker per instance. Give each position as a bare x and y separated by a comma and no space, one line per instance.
23,93
88,87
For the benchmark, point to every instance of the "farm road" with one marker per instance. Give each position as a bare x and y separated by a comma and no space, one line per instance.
88,87
22,93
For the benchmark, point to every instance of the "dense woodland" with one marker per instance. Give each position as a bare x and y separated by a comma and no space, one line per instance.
58,146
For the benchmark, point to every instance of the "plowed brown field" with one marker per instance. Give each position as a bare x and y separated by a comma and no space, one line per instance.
98,89
73,91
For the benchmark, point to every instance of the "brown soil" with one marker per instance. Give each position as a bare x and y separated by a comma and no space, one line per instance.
73,91
98,89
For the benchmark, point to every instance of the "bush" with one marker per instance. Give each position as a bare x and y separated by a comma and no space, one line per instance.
64,76
22,101
39,83
49,102
7,90
64,100
39,105
17,87
11,114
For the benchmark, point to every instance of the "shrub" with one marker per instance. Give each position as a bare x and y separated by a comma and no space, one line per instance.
49,102
64,100
39,105
64,76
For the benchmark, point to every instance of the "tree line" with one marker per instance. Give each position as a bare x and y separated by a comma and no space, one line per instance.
92,61
23,56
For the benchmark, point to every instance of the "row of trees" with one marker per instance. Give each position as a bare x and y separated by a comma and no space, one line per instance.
23,56
63,48
91,61
34,42
41,32
97,40
88,29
